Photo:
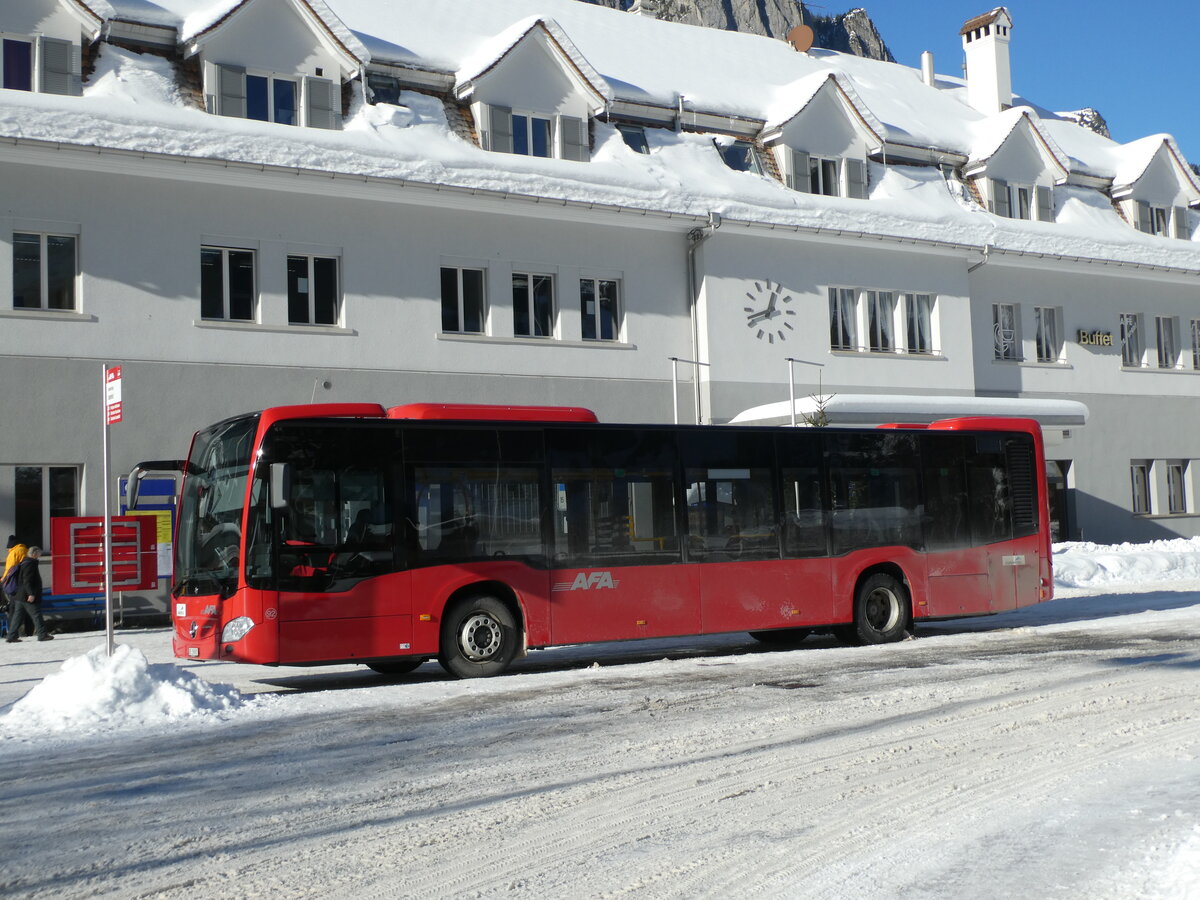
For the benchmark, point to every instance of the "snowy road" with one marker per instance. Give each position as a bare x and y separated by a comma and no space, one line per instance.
1045,753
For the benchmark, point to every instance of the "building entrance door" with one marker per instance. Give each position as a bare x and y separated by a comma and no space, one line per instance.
1056,482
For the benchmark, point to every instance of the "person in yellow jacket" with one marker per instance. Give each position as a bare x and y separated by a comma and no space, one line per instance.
16,554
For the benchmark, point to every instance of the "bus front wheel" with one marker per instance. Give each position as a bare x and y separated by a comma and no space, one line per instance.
881,612
479,637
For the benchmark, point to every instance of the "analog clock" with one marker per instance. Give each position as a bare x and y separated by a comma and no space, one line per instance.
767,315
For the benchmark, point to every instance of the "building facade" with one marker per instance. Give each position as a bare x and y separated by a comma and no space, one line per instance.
263,202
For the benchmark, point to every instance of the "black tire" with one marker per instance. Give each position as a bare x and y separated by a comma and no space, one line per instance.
781,637
882,612
479,637
396,667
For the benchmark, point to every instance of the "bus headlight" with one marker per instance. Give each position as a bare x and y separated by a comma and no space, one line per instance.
237,629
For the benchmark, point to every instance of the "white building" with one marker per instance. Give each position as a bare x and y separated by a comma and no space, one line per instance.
263,202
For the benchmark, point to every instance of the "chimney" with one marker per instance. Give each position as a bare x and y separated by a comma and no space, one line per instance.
927,75
647,8
989,75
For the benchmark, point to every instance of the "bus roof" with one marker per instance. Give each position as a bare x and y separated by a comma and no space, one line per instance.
491,413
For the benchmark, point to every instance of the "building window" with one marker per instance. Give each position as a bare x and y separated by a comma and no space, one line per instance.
918,315
1153,219
45,269
1196,344
823,175
1131,340
271,99
881,314
599,309
227,284
462,300
1176,491
1049,333
1005,337
635,138
16,61
312,290
843,316
741,157
286,100
1140,476
533,305
531,135
40,493
1022,201
1168,344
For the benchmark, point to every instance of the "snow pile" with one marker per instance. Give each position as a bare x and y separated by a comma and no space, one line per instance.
1084,564
96,691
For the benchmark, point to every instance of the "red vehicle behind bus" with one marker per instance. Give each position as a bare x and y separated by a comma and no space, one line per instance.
349,533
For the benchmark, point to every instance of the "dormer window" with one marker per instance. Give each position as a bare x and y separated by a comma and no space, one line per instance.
270,97
528,133
1022,201
828,175
42,64
741,157
16,57
1164,221
384,88
531,135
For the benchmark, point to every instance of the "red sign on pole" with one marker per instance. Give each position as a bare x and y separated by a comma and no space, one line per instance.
78,563
112,395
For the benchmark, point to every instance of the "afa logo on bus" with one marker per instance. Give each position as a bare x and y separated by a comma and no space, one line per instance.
585,581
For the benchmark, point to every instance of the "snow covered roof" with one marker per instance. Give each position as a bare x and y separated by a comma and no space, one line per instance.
994,132
315,12
807,89
134,103
489,55
873,409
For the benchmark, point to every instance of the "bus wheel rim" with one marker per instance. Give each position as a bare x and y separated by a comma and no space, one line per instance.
882,609
480,637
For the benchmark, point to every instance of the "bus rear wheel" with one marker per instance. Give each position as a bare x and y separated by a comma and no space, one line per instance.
479,637
881,612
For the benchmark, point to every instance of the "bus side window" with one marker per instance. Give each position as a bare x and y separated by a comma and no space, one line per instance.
803,513
987,477
944,470
615,497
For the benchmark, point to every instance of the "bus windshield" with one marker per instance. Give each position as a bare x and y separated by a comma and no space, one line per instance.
210,513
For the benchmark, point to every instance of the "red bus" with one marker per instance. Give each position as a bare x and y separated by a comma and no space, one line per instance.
350,533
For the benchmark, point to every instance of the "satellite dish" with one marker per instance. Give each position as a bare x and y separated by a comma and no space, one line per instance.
801,37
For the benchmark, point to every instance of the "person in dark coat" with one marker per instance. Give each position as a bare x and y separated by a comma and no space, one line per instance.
28,599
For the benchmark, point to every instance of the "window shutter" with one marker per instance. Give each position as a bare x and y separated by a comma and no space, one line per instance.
1182,229
231,91
323,108
856,179
60,64
574,138
1045,203
497,128
799,178
1000,198
1144,221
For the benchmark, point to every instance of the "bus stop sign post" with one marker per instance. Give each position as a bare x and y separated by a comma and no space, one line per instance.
112,415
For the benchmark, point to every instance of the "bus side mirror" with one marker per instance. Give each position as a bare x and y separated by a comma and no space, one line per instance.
281,485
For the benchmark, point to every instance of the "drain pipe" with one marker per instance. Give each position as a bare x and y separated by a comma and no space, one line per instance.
987,250
696,237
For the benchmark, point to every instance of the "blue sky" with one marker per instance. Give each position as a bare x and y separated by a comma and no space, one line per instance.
1134,62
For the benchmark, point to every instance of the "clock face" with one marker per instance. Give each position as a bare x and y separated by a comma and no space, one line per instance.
767,316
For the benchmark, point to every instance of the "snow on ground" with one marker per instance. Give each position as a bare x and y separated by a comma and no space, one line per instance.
1049,752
